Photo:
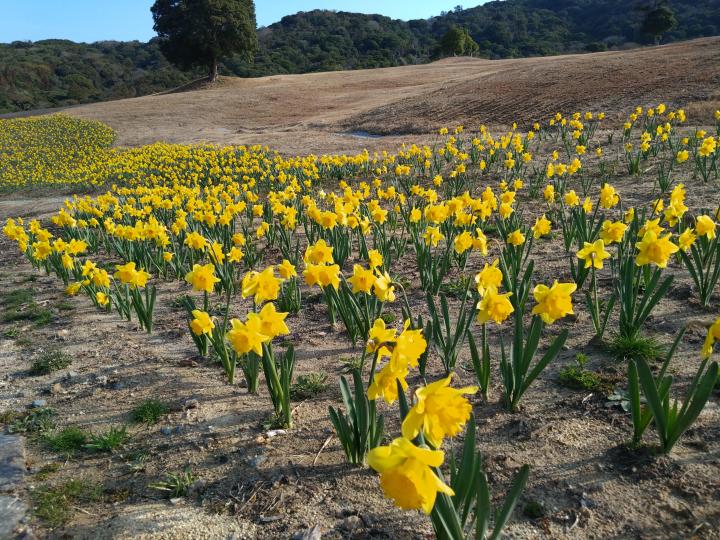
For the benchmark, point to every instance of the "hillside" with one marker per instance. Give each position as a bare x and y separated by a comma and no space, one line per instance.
317,112
54,73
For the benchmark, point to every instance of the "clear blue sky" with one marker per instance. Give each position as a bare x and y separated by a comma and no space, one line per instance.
96,20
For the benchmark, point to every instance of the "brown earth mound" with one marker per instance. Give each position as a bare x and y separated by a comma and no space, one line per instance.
317,112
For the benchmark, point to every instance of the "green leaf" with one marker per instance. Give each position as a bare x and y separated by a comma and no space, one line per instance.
655,404
511,500
695,401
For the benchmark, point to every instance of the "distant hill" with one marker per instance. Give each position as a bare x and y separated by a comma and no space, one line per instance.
54,73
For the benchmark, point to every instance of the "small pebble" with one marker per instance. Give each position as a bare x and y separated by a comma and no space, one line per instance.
351,523
38,403
191,404
257,461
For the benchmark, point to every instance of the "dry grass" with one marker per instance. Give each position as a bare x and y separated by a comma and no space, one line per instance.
314,113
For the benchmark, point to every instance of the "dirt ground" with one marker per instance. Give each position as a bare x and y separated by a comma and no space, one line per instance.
316,112
252,482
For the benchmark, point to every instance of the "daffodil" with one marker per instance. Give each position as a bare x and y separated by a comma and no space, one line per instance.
384,288
554,302
246,337
432,236
362,279
407,476
201,323
319,253
408,348
127,274
489,276
440,411
202,277
608,196
375,258
713,334
286,269
73,288
654,249
541,227
380,337
705,226
463,242
516,238
686,239
593,254
272,321
612,231
384,383
494,306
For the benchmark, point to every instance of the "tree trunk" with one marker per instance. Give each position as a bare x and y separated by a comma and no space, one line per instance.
213,72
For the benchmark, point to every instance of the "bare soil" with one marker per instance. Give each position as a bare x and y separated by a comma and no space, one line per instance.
316,112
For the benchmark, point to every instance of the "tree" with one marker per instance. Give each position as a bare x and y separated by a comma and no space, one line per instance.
457,41
200,32
658,21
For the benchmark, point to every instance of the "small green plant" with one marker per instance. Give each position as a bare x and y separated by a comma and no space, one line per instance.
638,289
481,362
24,341
46,471
703,263
136,460
20,305
175,485
68,440
578,377
11,333
49,361
350,364
534,510
453,517
108,441
290,297
671,419
634,347
278,377
515,366
359,428
8,416
388,317
458,287
149,411
34,421
17,298
308,386
448,336
55,505
65,305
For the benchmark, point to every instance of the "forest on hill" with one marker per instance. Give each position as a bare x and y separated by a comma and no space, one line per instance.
53,73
